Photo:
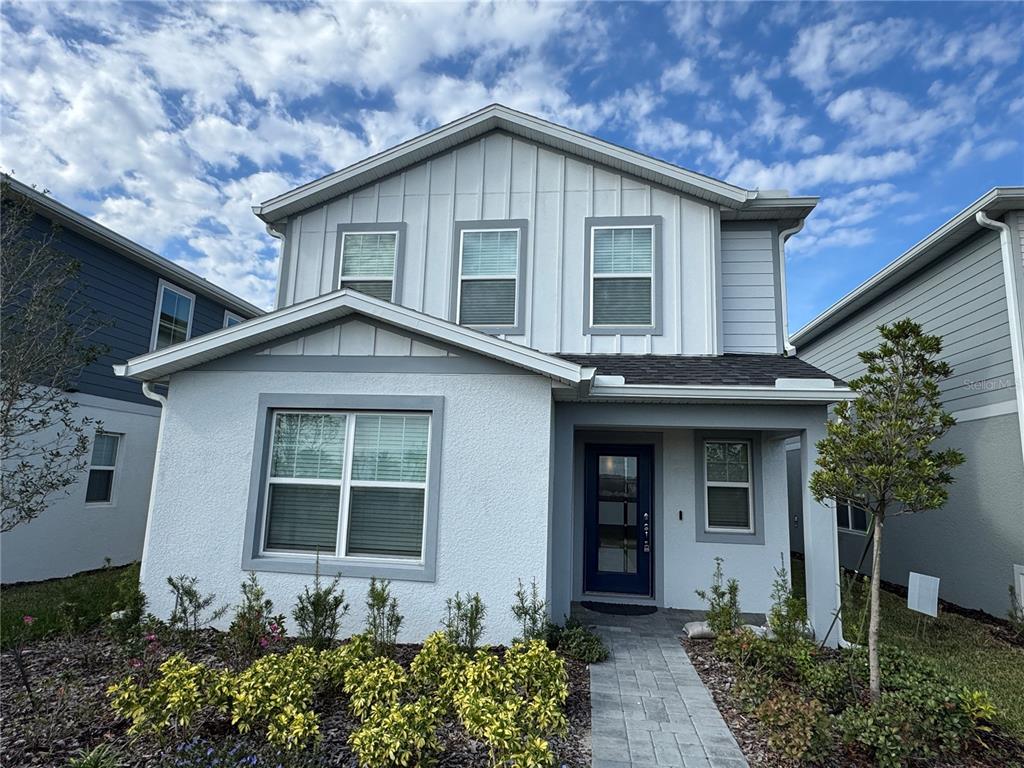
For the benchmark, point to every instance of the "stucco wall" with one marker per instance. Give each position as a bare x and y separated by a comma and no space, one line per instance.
493,511
71,536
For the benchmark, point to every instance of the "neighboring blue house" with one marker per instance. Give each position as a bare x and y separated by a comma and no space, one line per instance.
146,303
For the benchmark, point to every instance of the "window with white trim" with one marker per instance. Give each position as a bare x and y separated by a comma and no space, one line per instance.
102,466
173,321
622,276
347,484
488,277
851,517
230,318
728,486
368,262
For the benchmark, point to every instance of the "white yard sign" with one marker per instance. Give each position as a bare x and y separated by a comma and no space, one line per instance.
923,594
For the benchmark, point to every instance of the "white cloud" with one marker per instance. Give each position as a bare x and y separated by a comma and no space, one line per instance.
877,117
811,173
841,47
987,151
995,45
838,221
683,77
772,122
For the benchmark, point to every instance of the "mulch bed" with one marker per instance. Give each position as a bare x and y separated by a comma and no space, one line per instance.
70,677
719,676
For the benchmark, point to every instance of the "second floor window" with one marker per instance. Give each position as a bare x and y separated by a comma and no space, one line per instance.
173,321
368,263
488,277
622,276
230,318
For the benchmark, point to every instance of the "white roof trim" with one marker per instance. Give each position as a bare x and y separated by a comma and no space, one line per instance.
332,306
499,117
729,394
996,200
132,250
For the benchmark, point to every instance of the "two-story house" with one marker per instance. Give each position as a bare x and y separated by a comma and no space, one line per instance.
502,350
142,302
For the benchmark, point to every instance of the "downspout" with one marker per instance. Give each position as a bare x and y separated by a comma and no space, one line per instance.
784,235
1013,307
161,400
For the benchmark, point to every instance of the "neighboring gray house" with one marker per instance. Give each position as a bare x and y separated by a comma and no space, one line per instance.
502,350
963,282
145,302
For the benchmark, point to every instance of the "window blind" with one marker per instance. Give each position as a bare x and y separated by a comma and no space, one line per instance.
490,266
104,450
308,445
390,448
623,276
622,301
727,476
303,518
386,521
728,507
379,289
368,254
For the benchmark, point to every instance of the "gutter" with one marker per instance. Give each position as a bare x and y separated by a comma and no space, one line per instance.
784,391
161,400
784,235
1013,308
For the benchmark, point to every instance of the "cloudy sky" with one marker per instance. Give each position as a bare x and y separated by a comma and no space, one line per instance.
165,122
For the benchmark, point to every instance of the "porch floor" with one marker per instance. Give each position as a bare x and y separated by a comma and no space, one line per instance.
648,705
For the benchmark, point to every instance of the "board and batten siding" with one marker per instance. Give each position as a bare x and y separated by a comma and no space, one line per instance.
502,177
962,298
751,302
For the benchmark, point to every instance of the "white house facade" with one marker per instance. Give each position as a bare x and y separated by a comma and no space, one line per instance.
503,350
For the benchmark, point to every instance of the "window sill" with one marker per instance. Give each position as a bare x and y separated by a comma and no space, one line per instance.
395,570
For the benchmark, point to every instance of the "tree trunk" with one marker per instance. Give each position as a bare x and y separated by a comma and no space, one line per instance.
875,677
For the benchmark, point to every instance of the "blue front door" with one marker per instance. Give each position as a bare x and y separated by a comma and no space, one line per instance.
619,518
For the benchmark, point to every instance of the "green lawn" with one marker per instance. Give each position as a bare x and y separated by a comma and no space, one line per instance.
82,600
965,649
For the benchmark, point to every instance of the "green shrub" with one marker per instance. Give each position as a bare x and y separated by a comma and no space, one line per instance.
382,617
400,736
437,668
318,612
723,599
101,756
464,623
787,618
979,708
337,663
254,628
190,608
530,611
579,642
375,684
796,727
126,624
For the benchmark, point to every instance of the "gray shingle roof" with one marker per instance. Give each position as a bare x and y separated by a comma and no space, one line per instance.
721,370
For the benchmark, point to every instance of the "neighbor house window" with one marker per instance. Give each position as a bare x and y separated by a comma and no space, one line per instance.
173,321
851,517
728,480
368,262
102,466
622,276
488,277
347,484
230,318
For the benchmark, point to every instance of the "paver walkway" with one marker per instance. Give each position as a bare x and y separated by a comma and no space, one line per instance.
648,705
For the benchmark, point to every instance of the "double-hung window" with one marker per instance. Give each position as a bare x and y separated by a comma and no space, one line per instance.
622,277
488,277
173,321
368,262
728,485
851,517
347,484
100,485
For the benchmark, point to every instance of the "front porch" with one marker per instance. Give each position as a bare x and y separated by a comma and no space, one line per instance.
644,499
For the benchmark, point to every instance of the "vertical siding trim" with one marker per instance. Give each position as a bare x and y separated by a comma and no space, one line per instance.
677,282
450,258
531,259
592,206
713,231
559,257
426,239
483,177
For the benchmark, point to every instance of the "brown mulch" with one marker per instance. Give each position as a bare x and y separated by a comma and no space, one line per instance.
719,677
69,678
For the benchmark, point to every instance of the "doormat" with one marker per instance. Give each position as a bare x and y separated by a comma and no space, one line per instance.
620,609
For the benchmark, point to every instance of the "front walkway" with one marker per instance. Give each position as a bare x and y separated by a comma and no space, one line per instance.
648,705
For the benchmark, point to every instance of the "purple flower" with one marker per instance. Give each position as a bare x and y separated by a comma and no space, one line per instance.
29,620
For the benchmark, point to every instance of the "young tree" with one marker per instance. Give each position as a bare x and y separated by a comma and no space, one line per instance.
46,328
878,448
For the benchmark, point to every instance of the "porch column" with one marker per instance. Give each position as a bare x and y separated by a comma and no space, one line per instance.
821,546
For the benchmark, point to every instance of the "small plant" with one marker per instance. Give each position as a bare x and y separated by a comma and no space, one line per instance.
464,623
797,727
318,612
530,611
978,706
189,614
787,617
17,649
437,667
255,628
723,601
577,642
401,736
125,624
382,617
1016,613
101,756
377,684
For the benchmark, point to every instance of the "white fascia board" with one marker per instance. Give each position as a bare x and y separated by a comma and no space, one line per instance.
332,306
665,392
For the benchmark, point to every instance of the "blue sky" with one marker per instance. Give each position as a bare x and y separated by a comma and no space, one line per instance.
166,122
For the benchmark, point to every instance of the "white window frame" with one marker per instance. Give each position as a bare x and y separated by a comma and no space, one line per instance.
112,501
161,288
594,277
345,483
514,276
849,519
229,315
749,485
369,278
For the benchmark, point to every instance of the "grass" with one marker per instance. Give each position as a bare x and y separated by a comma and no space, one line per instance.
75,603
964,648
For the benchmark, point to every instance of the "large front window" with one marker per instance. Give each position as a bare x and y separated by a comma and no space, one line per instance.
347,484
728,485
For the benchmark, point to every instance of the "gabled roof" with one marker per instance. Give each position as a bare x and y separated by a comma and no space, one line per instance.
737,202
73,220
995,203
277,325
